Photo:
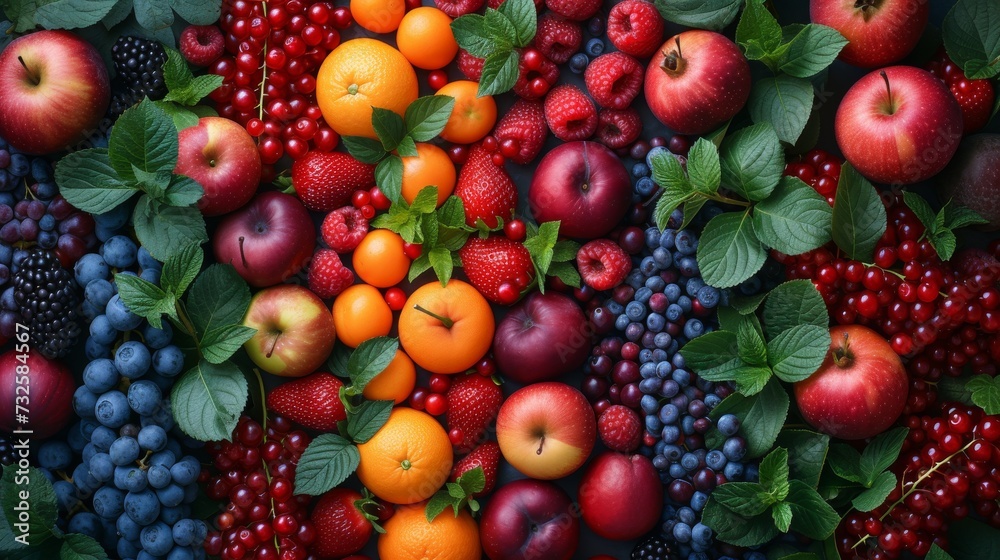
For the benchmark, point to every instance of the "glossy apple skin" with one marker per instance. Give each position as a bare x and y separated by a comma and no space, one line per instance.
546,430
907,140
584,185
621,496
972,179
43,387
709,84
529,519
543,337
861,396
278,239
222,157
880,34
295,332
68,103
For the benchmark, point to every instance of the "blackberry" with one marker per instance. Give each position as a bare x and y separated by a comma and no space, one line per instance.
653,547
47,298
139,64
6,452
121,99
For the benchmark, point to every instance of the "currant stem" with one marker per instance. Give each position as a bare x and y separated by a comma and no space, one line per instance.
263,94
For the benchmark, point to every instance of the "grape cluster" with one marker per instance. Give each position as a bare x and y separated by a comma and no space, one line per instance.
949,466
263,519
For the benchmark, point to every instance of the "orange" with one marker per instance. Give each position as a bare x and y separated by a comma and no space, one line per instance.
359,313
395,382
473,117
409,536
408,459
380,16
379,259
446,329
430,167
425,38
358,75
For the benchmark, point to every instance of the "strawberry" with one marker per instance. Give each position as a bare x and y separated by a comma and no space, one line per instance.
570,113
558,39
574,9
341,528
455,8
473,404
975,97
618,128
486,456
603,264
614,80
486,190
326,180
635,27
470,66
312,401
525,125
327,274
498,267
344,228
620,428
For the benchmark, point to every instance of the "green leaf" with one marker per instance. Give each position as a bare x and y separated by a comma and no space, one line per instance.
752,161
774,473
743,498
218,297
500,73
28,490
426,200
197,12
750,380
470,34
812,50
729,251
985,393
954,389
153,14
750,344
180,269
758,32
144,136
797,353
782,514
523,17
970,539
167,230
703,14
183,117
793,303
218,345
326,463
811,515
452,213
971,33
960,216
937,553
87,181
795,219
668,173
207,400
880,454
806,454
747,305
365,150
761,416
440,261
77,546
439,502
859,218
389,177
710,350
176,75
784,101
407,148
144,298
419,265
845,462
874,496
369,359
565,272
500,29
473,480
388,127
921,208
703,167
154,184
368,419
183,191
72,14
737,529
690,210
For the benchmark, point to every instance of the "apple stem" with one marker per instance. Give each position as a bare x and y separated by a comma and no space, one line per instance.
843,356
888,89
273,345
31,75
674,61
541,442
243,256
448,323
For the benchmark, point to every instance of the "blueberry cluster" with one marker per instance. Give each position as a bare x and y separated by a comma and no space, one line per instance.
592,49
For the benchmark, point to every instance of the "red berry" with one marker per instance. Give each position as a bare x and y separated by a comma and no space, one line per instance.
557,39
344,228
635,27
437,79
515,230
327,274
603,264
436,404
617,128
570,114
395,298
614,80
201,45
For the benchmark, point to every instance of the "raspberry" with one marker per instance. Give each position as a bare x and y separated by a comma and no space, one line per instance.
617,128
570,114
558,39
470,66
547,71
455,8
574,9
603,264
344,228
201,44
620,428
635,27
614,80
524,127
327,275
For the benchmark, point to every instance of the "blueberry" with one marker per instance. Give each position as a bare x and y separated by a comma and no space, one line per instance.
661,463
132,479
185,471
151,275
578,63
716,460
168,361
698,500
124,450
685,303
128,548
102,332
663,258
644,186
55,454
708,296
669,414
120,252
686,242
673,292
158,476
690,462
109,502
185,532
84,401
669,388
157,338
101,467
98,292
688,266
728,424
676,470
144,397
67,497
751,473
171,495
655,322
672,452
19,165
652,237
132,359
146,260
128,529
701,533
694,328
85,523
112,409
156,539
640,170
91,267
682,532
670,433
183,553
648,403
735,448
120,316
102,438
165,458
82,479
595,47
686,515
152,438
653,424
635,311
656,153
648,267
687,425
614,307
100,375
48,239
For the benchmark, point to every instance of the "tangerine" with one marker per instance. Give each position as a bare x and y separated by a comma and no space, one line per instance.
395,382
379,16
409,536
379,259
425,38
360,313
430,167
446,329
473,117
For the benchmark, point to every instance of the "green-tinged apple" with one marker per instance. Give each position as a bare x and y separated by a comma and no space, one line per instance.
54,90
295,332
222,157
546,430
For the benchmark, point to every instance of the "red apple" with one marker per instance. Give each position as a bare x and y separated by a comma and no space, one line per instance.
295,331
621,496
860,389
223,158
880,32
267,241
543,337
584,185
697,81
36,387
972,179
546,430
898,125
529,519
54,90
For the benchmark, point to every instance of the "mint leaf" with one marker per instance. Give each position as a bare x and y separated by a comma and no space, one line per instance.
859,218
523,17
72,14
87,180
500,73
795,219
388,127
959,216
164,230
811,514
747,305
199,88
218,345
144,136
874,496
729,251
565,272
407,147
41,504
743,498
218,297
737,529
710,350
153,14
782,514
183,191
436,505
369,359
703,14
500,29
806,454
470,34
452,213
985,393
690,210
367,419
197,12
761,416
937,553
207,400
77,546
440,260
426,200
419,266
21,13
473,480
758,32
774,474
750,343
668,173
389,177
183,117
793,303
812,50
144,298
797,353
971,33
921,208
752,161
784,101
750,380
703,167
326,463
365,150
180,269
880,454
845,462
154,184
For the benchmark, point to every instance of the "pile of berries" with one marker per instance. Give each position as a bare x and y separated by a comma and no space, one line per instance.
818,169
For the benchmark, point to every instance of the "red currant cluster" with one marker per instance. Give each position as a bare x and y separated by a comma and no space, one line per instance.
263,520
432,399
948,464
819,169
274,49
